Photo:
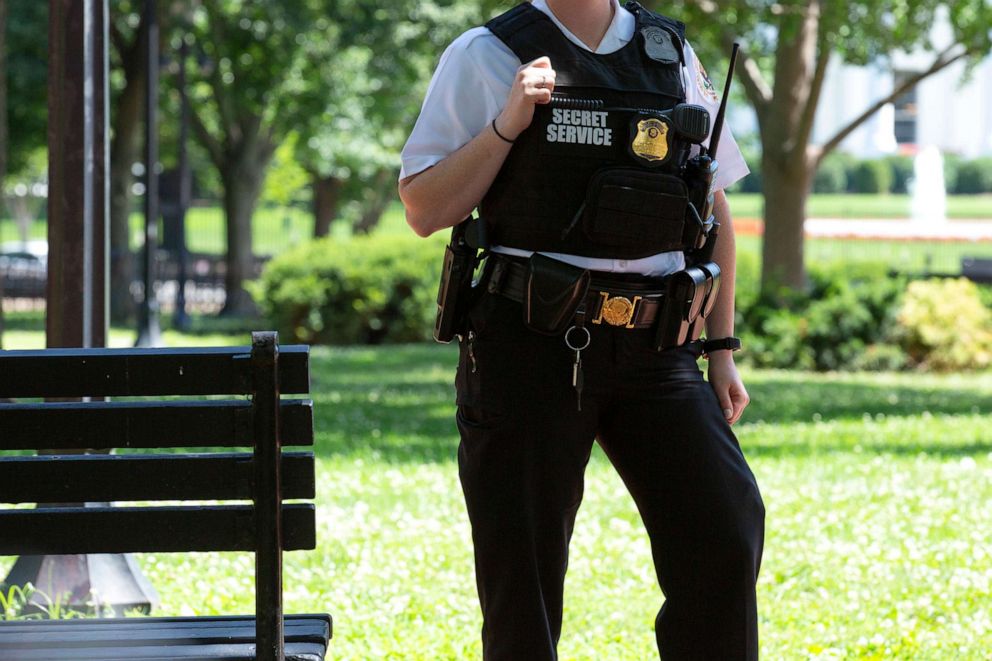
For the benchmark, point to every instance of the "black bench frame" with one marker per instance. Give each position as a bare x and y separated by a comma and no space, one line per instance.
265,476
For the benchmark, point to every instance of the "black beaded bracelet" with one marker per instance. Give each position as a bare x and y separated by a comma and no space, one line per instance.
500,135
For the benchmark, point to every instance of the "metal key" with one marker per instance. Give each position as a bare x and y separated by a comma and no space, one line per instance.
578,378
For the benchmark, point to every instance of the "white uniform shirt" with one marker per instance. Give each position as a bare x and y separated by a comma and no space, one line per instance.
472,82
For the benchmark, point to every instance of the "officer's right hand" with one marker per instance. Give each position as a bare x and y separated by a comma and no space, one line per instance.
533,84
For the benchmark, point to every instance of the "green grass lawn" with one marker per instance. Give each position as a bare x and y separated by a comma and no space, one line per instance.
877,488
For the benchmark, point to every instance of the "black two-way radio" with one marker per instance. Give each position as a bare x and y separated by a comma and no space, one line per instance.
692,293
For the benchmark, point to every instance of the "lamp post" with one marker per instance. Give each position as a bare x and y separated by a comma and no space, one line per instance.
76,287
149,333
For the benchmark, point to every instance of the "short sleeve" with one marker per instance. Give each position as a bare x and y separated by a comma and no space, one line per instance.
701,90
468,89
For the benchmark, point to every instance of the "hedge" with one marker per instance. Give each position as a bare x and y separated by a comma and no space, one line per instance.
376,289
363,290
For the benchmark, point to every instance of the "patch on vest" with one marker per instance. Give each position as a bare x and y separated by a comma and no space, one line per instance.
579,127
704,83
650,140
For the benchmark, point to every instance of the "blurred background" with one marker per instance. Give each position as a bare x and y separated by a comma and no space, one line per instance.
872,121
253,152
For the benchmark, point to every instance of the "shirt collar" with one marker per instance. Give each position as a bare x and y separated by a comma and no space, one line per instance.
620,32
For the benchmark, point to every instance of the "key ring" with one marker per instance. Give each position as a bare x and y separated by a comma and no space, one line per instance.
568,341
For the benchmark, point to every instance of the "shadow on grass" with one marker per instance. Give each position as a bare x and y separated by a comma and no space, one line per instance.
895,448
396,404
787,400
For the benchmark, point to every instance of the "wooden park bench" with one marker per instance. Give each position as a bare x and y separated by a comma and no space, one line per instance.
157,419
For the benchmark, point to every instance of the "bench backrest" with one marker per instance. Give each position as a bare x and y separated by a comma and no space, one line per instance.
265,476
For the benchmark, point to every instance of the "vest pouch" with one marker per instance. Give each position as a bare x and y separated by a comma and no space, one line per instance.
552,294
635,211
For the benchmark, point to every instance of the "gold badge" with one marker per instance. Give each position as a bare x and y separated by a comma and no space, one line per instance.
651,141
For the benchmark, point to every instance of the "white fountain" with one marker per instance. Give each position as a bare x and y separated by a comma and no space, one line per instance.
929,195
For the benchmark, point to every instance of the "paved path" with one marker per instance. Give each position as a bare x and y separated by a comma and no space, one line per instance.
979,229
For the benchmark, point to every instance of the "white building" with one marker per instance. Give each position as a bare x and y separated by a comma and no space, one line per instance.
951,110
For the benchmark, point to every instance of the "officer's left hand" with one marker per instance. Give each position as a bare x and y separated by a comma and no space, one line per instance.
726,383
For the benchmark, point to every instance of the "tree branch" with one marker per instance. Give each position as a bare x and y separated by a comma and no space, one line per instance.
228,118
757,89
805,128
209,142
939,64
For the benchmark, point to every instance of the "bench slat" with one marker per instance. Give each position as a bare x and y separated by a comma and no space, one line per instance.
144,372
70,530
136,631
295,651
170,424
108,478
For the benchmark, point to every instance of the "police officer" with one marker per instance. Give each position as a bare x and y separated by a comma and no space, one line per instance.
530,404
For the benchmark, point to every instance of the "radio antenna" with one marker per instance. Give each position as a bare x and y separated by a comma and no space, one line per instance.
718,124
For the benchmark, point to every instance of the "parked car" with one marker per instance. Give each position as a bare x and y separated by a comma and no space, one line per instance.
24,268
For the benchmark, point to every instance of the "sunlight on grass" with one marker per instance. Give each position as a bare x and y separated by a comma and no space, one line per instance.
876,487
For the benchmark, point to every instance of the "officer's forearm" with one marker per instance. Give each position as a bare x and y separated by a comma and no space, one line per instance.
720,323
445,194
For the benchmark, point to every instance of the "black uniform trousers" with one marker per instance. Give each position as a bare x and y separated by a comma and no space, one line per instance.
524,447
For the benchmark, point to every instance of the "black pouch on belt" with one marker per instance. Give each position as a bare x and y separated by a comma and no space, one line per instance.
553,293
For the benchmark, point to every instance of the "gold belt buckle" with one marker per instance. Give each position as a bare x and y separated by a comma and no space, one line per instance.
616,310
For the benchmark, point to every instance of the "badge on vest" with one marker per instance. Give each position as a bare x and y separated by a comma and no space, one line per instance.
650,143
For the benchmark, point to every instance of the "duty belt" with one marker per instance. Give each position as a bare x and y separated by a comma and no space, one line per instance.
625,301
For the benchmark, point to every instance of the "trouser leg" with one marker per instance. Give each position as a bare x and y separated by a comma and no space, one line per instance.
665,434
523,451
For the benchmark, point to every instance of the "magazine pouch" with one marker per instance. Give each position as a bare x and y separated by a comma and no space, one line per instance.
552,294
685,293
635,211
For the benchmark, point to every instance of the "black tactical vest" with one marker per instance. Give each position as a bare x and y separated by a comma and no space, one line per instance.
596,173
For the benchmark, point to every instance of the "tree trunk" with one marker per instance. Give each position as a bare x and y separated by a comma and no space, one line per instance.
786,189
376,200
242,187
326,196
786,125
124,151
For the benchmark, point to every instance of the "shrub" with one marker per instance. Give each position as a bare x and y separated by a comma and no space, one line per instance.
902,172
831,176
974,177
364,290
872,176
952,164
848,313
945,326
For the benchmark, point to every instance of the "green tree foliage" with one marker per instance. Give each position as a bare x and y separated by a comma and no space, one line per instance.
27,75
346,76
381,57
788,45
259,74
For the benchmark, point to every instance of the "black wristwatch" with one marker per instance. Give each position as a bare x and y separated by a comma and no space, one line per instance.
729,343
